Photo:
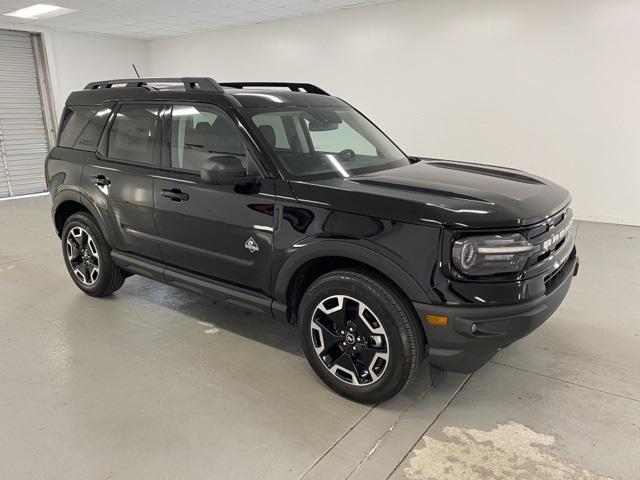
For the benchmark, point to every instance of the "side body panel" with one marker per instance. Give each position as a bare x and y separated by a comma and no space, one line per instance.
125,204
222,231
63,173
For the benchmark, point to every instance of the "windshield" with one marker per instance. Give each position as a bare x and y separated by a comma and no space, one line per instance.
326,142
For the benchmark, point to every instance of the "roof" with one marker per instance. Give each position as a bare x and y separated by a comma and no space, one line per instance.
207,90
275,98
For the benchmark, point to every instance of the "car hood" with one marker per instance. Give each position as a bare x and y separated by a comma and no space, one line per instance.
442,193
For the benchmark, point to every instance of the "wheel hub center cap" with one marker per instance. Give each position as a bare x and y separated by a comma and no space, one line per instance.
350,338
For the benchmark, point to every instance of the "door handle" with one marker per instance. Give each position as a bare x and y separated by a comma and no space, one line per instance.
100,180
277,218
175,194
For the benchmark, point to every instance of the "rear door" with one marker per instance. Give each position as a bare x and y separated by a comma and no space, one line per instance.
222,231
119,178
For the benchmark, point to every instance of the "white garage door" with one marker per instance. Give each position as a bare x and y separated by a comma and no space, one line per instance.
23,136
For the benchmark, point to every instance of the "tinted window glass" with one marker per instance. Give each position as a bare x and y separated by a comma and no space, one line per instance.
342,138
271,126
82,126
326,142
199,133
134,134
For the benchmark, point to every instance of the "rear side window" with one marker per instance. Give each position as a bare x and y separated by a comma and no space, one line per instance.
134,134
82,126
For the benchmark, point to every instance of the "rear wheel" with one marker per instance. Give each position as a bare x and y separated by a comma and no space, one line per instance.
359,335
88,257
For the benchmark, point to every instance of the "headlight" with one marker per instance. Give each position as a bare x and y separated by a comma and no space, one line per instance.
491,254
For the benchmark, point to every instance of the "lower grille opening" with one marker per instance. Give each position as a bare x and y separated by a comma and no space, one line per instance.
552,281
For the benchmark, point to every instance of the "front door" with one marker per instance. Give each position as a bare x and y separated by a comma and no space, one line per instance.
224,232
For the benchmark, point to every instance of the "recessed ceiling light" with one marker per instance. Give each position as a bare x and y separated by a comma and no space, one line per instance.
40,10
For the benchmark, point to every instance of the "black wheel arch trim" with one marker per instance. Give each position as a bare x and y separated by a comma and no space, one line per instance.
338,248
77,196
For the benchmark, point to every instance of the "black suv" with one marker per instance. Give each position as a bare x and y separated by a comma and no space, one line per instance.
282,199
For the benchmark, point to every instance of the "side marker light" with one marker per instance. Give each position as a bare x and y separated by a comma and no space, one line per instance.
437,320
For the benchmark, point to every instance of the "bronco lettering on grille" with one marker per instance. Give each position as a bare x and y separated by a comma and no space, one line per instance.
552,241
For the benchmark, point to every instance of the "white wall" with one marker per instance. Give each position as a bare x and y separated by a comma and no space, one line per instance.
75,59
548,86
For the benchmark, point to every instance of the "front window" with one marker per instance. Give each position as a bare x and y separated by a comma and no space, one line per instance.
326,142
199,133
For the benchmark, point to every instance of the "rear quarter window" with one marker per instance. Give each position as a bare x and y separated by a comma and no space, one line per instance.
82,125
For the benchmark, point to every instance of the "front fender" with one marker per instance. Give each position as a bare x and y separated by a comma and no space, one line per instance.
359,253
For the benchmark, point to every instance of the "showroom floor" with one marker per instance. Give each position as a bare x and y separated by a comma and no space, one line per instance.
155,382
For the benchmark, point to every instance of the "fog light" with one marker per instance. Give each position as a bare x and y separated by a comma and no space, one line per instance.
437,320
474,328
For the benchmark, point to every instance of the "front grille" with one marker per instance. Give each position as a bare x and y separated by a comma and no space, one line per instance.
538,231
553,279
553,240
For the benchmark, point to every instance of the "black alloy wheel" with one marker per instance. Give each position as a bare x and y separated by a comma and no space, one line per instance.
88,257
349,340
360,335
83,256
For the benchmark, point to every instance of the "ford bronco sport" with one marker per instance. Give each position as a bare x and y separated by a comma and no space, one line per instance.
283,199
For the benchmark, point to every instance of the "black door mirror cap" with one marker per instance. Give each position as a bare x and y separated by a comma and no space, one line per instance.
222,170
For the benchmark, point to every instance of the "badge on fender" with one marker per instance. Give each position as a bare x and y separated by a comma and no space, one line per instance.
251,245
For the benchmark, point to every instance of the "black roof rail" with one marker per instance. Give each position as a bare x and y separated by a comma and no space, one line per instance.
202,84
294,87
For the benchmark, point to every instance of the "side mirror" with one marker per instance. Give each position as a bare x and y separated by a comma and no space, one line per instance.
222,170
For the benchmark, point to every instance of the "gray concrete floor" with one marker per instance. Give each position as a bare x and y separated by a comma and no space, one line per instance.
155,382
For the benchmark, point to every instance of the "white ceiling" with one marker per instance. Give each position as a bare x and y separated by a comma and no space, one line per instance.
148,19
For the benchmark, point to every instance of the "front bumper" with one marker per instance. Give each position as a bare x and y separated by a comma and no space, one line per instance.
460,347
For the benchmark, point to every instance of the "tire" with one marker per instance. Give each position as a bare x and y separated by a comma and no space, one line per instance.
385,347
88,257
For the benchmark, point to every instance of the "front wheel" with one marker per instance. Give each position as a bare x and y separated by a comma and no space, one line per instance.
359,335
